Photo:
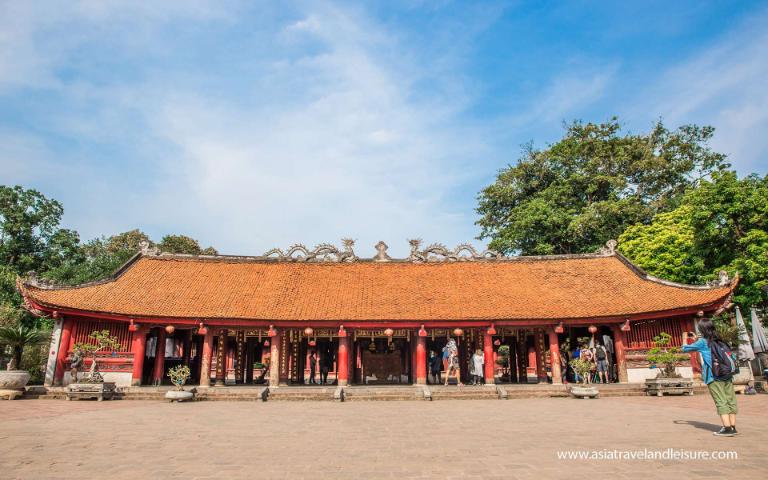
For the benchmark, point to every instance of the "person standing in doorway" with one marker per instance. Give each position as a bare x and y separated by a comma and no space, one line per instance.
453,363
601,360
312,367
325,366
720,387
477,367
435,366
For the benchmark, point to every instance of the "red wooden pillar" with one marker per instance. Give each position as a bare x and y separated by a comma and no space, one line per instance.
159,370
221,358
421,360
342,361
274,359
619,344
489,365
138,348
205,362
64,344
554,357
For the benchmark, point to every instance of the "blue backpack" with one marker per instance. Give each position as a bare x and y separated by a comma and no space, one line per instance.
724,360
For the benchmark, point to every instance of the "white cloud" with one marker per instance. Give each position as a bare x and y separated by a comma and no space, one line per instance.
353,152
722,85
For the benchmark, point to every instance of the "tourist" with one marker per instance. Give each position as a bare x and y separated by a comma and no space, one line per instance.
477,367
586,354
601,362
326,362
720,388
563,367
312,367
453,362
435,365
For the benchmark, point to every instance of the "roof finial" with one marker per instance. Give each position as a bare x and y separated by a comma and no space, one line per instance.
381,252
609,248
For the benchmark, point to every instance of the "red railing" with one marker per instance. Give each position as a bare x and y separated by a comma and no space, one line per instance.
642,333
82,329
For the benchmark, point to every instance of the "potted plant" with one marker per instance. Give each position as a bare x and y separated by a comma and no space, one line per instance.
92,385
16,337
179,376
583,368
665,358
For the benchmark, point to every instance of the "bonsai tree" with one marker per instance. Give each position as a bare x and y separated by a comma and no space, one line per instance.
19,336
665,356
101,340
179,376
583,369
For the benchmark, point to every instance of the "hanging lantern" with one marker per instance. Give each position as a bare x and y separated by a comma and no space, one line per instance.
372,346
342,332
625,327
497,342
272,332
422,332
266,343
312,343
202,329
592,329
308,332
389,332
492,330
133,327
170,329
458,332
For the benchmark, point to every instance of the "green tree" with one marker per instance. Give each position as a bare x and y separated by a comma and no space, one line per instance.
666,247
591,185
18,336
183,244
722,224
30,237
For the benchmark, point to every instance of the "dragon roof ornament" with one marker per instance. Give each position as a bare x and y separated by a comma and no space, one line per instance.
437,252
324,252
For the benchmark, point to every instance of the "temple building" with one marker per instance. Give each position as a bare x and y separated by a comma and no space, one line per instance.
268,319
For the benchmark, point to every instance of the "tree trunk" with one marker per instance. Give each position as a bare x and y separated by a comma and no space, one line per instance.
17,351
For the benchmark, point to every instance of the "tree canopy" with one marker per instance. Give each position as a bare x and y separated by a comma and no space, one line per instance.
591,185
721,225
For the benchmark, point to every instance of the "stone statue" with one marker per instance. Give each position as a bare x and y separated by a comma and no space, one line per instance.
75,363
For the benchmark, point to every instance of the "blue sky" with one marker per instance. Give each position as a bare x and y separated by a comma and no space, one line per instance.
250,125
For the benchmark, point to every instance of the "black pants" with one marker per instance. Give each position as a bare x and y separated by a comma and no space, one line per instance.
477,379
312,375
323,375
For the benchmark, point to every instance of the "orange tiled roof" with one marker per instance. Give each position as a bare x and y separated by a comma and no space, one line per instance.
535,288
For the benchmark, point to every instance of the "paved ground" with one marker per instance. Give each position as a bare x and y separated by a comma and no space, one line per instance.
450,439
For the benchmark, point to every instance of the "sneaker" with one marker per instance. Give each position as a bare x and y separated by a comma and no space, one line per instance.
733,430
724,432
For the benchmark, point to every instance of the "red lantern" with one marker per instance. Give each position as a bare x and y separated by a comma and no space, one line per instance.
266,343
170,329
342,333
592,329
308,332
202,329
458,332
133,327
312,343
559,328
422,332
492,330
389,332
272,332
497,342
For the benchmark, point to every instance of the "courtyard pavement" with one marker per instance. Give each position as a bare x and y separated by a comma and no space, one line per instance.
490,439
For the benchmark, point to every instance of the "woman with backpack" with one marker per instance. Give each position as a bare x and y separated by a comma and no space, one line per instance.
718,367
